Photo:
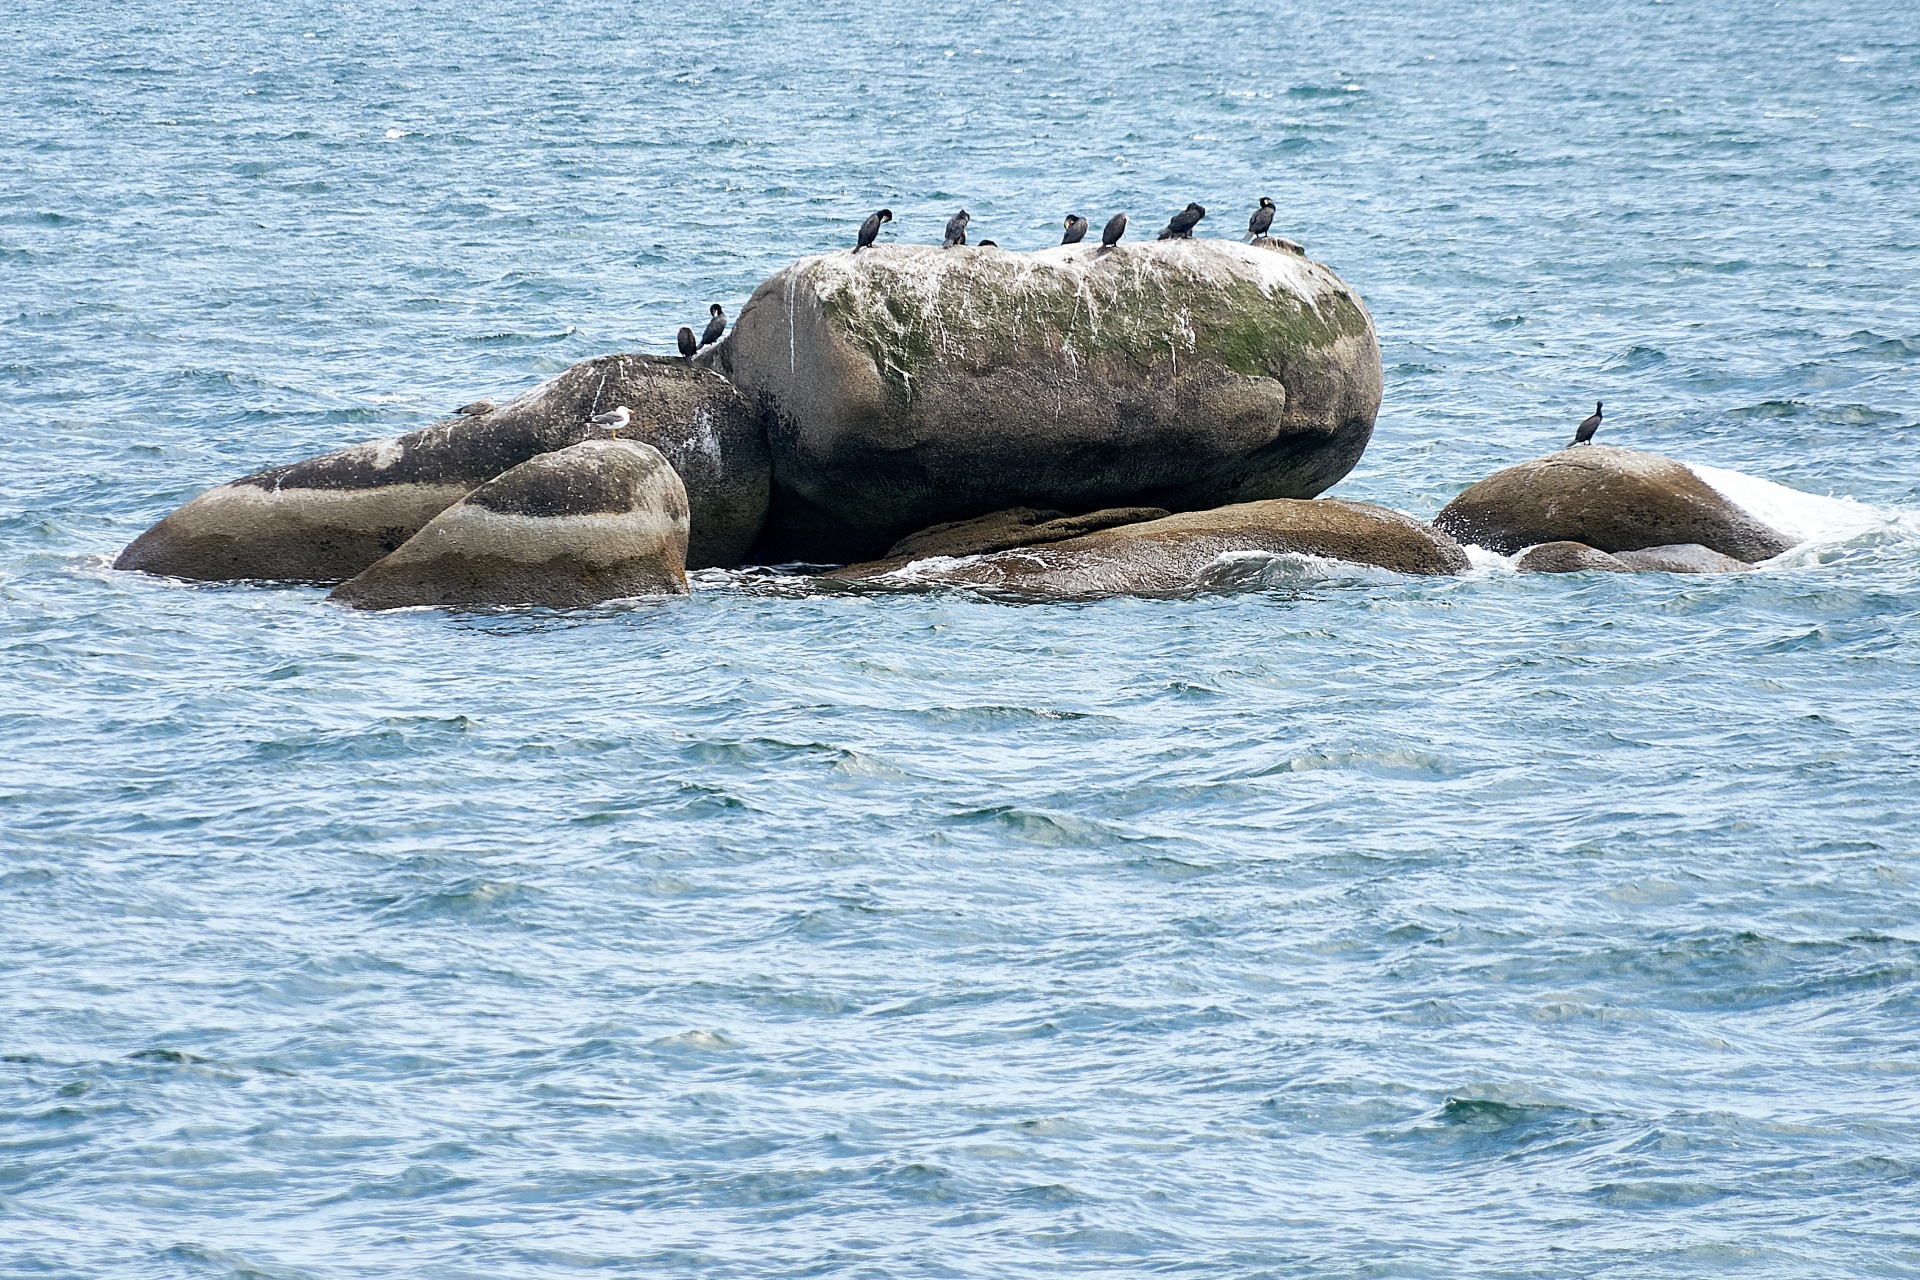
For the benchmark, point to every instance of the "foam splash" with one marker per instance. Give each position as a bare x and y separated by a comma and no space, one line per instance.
1807,517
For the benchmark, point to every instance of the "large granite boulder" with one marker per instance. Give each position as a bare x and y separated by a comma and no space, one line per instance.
1182,553
1610,499
599,520
908,385
329,517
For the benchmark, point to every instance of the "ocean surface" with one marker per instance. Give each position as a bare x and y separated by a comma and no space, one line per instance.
1340,925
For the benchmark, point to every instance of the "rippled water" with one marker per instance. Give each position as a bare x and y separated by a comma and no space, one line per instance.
1342,925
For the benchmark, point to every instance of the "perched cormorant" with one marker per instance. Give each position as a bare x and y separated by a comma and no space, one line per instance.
988,244
1181,225
716,326
687,343
615,420
1116,227
1262,219
957,229
871,228
1583,434
1076,229
477,408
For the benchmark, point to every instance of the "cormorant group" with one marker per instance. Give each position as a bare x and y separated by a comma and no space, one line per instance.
1076,226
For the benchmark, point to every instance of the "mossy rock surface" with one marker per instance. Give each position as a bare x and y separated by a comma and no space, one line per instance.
906,386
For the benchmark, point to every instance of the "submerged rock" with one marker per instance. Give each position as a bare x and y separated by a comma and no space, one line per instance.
1683,557
329,517
906,385
1578,557
1567,557
600,520
1178,553
1610,499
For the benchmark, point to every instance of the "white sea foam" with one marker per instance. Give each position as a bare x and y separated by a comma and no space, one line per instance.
1807,517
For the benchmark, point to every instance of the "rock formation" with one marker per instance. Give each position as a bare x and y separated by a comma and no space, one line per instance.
1610,499
1177,553
599,520
908,386
329,517
1578,557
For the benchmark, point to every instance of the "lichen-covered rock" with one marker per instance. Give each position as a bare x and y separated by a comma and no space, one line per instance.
600,520
907,386
1179,553
1609,498
329,517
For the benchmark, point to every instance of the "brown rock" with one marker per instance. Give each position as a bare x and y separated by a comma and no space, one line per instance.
1178,553
329,517
1568,557
1014,527
600,520
1609,498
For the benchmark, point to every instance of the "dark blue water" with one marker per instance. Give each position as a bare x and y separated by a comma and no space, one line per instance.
1341,926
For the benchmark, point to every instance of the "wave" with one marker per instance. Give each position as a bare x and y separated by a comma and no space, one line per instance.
1807,517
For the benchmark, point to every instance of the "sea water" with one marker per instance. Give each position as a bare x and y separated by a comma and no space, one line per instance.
1327,923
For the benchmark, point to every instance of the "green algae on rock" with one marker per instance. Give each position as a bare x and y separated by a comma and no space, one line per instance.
908,385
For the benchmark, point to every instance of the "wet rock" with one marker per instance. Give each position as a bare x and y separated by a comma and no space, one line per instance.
599,520
1179,553
1609,498
1685,557
909,386
1568,557
1015,527
329,517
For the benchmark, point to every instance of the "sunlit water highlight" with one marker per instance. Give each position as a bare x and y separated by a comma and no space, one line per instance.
1335,924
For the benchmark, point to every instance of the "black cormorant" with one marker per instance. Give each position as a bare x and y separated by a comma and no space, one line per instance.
615,420
1583,434
688,345
1262,219
957,229
871,228
477,408
1116,227
988,244
1181,225
1076,229
715,327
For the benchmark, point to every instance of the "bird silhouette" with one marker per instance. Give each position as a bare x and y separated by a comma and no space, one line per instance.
1262,219
1583,434
871,228
715,327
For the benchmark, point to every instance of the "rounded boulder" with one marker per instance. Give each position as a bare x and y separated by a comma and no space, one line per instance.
907,386
1610,499
327,518
599,520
